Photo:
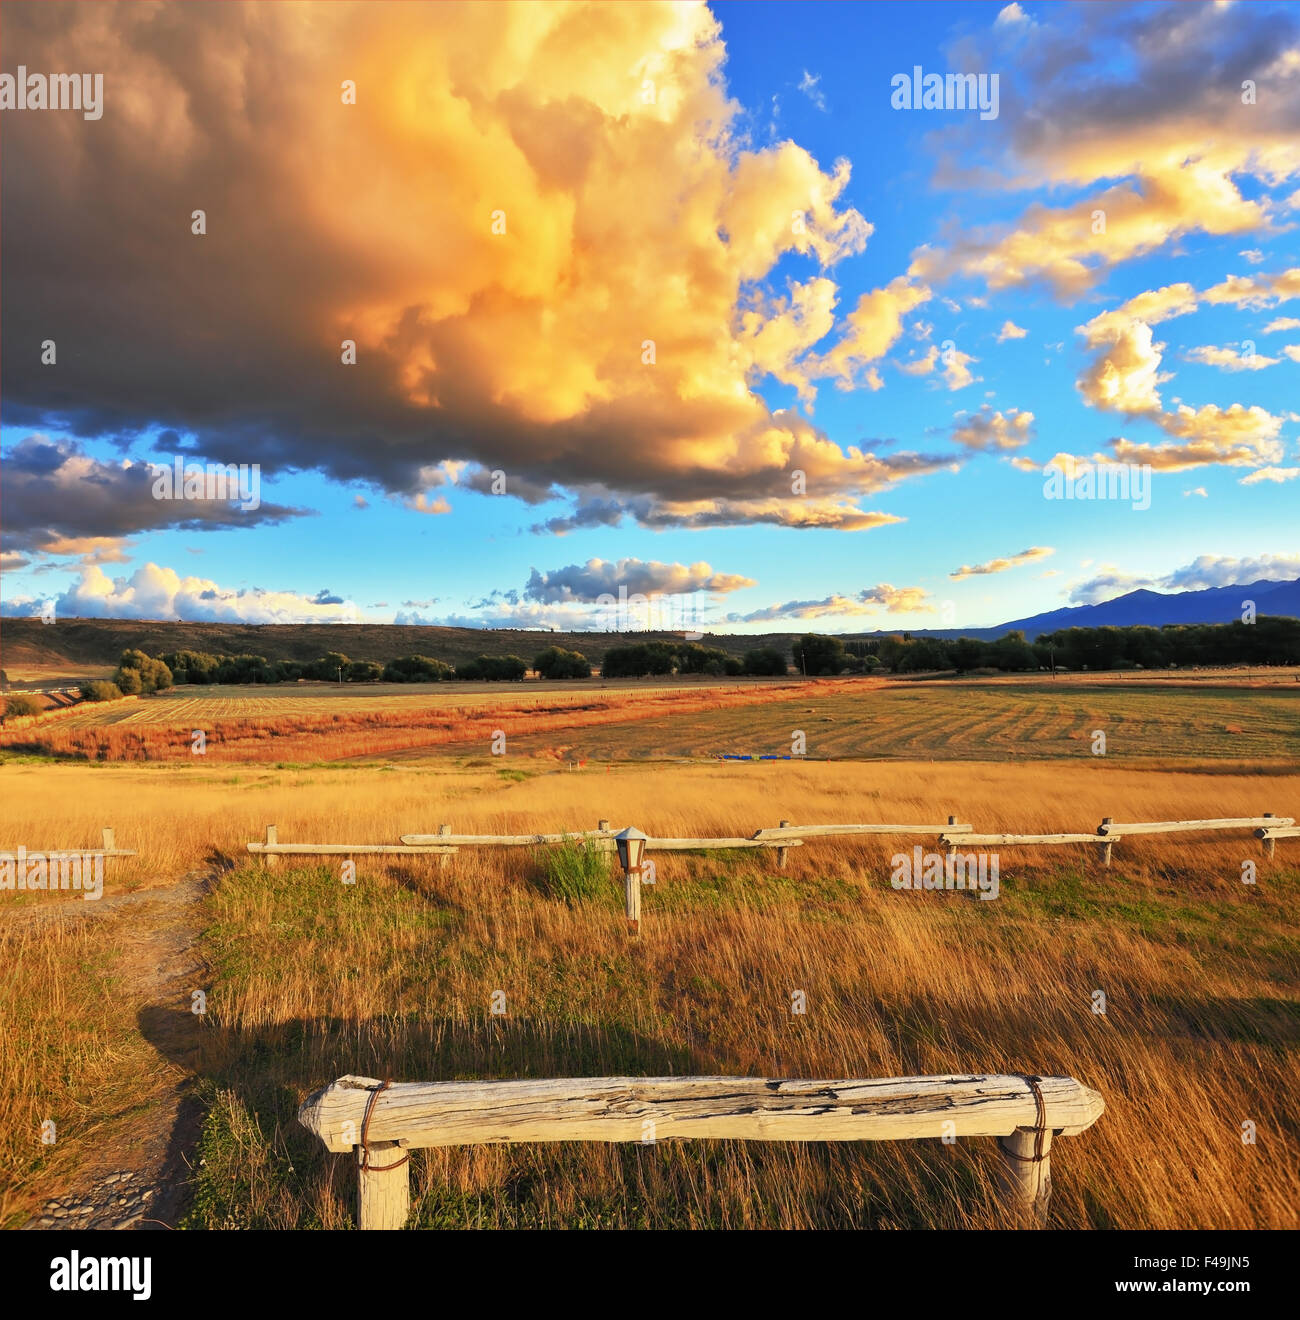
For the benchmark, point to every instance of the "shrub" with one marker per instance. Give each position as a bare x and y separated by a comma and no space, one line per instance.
22,703
493,668
149,675
100,691
416,669
765,660
556,662
573,871
815,655
363,671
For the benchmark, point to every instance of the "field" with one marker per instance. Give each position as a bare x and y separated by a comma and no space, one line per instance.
841,719
307,978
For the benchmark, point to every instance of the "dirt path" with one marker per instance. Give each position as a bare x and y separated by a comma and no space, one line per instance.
136,1176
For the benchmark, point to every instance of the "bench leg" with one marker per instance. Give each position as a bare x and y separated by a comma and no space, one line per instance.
1027,1183
383,1195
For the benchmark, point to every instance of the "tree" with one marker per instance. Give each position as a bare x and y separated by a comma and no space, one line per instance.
765,661
417,669
817,655
137,672
556,662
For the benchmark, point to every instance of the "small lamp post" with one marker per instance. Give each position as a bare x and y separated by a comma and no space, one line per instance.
631,849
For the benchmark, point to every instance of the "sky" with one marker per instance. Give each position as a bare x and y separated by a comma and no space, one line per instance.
513,311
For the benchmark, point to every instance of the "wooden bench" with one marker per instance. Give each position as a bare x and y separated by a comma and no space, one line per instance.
379,1122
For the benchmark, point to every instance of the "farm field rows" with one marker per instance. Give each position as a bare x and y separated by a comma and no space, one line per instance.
839,719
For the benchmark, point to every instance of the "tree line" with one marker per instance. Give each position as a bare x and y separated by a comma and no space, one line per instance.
1268,641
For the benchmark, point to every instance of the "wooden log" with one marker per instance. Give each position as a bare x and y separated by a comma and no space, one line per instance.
1179,826
501,840
443,862
1281,832
110,841
951,849
992,839
781,853
269,861
421,1114
1108,844
270,851
1026,1180
689,845
829,831
383,1193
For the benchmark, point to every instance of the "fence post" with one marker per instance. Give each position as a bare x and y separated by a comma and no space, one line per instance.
110,839
782,853
383,1193
1107,844
270,859
1027,1181
445,858
1269,844
951,849
632,895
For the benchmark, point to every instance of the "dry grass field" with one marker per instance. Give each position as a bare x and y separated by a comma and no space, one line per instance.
307,978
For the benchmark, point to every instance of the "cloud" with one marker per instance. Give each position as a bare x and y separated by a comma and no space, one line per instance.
871,600
1282,323
520,350
1230,358
1257,291
56,499
956,368
1012,16
155,592
1125,375
921,366
1034,553
873,327
1144,122
1273,474
987,429
1223,571
1253,255
1199,491
1203,572
808,86
1010,330
587,583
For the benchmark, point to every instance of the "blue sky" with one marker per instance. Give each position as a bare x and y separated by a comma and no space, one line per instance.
950,231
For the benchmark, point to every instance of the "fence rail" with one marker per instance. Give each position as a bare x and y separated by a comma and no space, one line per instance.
955,834
380,1122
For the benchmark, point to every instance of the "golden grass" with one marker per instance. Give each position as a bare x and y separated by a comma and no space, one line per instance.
313,978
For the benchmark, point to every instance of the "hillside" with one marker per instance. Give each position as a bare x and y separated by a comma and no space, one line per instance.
71,646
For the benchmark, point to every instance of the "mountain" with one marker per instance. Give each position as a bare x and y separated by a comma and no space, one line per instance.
1151,609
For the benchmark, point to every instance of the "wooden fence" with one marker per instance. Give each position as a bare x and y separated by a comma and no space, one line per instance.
380,1122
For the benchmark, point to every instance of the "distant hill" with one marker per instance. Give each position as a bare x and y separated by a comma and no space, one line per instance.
1152,609
72,645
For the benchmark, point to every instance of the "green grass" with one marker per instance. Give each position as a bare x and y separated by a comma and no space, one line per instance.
574,872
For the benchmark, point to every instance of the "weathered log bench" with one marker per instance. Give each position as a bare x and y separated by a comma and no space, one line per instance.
380,1122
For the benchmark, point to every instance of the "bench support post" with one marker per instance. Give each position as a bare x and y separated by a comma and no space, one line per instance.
783,853
383,1194
1027,1182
